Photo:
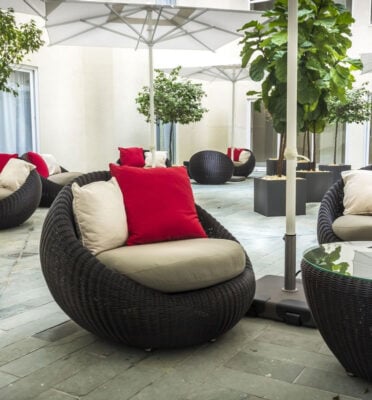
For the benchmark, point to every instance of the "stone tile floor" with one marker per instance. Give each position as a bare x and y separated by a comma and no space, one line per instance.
45,356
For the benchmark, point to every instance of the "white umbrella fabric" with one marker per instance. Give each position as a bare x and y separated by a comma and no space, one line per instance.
367,62
117,24
230,72
35,7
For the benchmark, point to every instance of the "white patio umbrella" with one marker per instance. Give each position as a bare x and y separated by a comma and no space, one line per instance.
118,24
35,7
232,73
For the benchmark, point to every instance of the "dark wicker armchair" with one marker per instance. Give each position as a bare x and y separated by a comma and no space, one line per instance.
115,307
245,169
210,167
331,207
20,205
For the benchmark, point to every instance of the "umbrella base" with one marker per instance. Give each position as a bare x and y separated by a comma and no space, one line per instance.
271,302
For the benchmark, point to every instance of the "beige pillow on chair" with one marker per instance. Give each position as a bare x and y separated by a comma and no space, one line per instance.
15,173
357,191
100,215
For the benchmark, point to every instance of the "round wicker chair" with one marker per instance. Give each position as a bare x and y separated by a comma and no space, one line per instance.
115,307
20,205
246,168
210,167
331,207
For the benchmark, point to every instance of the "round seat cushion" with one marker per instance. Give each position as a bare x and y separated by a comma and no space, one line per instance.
4,192
64,178
353,227
180,265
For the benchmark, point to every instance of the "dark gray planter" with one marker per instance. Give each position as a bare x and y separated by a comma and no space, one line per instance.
336,170
271,166
318,182
269,197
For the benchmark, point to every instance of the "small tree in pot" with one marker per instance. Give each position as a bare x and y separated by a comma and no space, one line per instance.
356,108
175,100
15,43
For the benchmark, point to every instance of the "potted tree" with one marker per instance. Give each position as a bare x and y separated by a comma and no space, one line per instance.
176,100
355,108
16,41
323,70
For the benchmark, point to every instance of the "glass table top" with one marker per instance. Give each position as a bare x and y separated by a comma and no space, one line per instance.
345,258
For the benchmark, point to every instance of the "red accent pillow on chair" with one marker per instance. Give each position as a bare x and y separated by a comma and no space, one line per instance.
236,153
132,156
159,204
4,158
39,162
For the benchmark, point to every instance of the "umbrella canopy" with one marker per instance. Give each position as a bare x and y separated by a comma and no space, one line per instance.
367,62
232,73
117,24
36,7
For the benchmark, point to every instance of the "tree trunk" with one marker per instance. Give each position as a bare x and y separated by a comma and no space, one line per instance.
313,161
335,148
279,170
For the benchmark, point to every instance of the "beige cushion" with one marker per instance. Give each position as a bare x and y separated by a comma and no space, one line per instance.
237,163
5,193
64,178
357,191
51,162
15,173
160,158
179,265
244,156
100,215
353,227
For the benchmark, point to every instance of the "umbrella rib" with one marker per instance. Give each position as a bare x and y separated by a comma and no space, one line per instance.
34,9
72,36
225,74
139,34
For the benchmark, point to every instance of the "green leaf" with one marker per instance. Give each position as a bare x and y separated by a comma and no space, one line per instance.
279,38
257,69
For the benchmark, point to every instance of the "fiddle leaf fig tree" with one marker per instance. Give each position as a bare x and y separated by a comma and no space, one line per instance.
355,108
16,41
176,100
324,69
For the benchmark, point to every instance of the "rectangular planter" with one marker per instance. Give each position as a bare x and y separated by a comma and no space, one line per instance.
269,197
336,170
271,166
318,182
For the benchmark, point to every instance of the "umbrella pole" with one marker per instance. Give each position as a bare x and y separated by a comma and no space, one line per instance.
151,89
291,150
232,134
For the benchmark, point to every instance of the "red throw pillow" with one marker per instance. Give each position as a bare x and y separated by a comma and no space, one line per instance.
236,153
39,162
159,204
132,156
4,158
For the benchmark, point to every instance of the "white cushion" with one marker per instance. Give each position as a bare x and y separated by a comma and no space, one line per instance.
15,173
100,215
5,193
64,178
353,227
244,156
357,191
51,162
178,265
160,158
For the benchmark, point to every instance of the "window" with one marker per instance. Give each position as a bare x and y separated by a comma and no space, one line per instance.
18,129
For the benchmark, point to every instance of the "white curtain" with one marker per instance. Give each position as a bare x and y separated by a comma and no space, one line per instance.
15,116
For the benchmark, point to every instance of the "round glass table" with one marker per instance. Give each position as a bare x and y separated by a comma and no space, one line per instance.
337,279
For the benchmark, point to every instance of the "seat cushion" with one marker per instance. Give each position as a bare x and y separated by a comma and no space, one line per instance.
353,227
180,265
237,163
64,178
4,192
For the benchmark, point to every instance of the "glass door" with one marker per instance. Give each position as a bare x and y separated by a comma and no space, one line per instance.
18,114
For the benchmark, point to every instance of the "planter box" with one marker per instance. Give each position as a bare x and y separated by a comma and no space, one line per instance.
336,170
271,166
269,197
318,182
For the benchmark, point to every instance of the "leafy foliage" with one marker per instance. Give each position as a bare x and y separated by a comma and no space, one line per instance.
329,260
175,100
355,108
324,69
15,43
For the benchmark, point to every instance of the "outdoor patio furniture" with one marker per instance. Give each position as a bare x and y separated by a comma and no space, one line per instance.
246,168
21,204
331,207
113,306
53,184
211,167
167,161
